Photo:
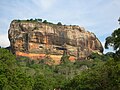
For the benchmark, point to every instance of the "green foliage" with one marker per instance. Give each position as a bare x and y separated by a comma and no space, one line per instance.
64,58
31,19
88,63
103,57
110,54
18,20
43,83
114,41
105,77
45,21
39,20
95,55
99,72
11,76
59,23
25,74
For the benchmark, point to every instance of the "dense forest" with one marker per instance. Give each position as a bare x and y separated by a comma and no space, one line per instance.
98,72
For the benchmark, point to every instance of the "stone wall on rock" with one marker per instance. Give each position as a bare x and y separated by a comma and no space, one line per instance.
46,38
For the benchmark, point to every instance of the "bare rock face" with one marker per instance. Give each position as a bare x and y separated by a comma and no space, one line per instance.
32,37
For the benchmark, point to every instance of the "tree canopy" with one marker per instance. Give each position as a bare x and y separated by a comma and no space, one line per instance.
114,41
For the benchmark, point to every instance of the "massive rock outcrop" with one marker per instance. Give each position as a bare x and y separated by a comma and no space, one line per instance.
37,39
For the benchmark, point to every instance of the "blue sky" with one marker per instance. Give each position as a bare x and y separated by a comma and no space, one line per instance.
97,16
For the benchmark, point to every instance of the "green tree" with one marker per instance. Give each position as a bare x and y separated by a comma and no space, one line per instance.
59,23
65,58
11,76
39,20
105,77
36,20
43,83
18,20
31,19
114,41
45,21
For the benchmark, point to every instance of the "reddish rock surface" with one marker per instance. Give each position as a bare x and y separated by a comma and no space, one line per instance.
36,39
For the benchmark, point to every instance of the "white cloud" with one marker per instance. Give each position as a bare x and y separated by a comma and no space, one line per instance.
44,4
4,42
47,3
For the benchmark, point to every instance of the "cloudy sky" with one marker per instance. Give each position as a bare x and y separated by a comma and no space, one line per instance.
97,16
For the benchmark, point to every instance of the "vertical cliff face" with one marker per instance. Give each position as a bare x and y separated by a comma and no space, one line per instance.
43,38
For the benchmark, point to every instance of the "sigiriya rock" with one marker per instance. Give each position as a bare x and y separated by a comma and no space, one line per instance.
35,39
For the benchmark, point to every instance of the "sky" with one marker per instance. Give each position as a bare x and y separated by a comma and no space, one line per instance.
97,16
